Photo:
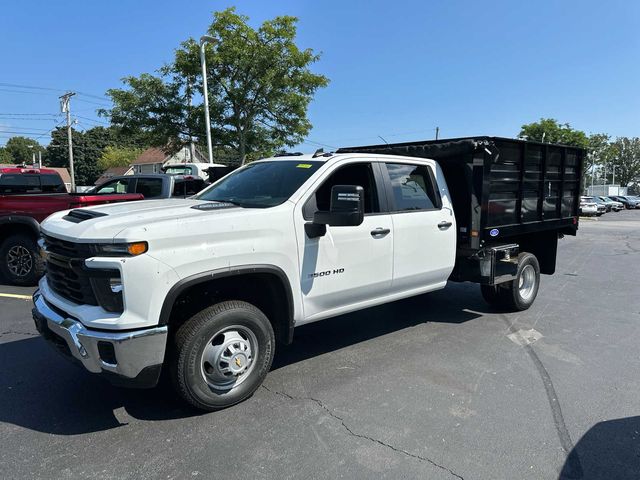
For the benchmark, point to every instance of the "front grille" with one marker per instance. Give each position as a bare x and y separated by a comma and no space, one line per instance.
64,272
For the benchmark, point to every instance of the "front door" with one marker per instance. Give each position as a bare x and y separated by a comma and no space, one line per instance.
348,265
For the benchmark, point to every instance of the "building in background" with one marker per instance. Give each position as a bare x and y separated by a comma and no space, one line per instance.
153,159
113,172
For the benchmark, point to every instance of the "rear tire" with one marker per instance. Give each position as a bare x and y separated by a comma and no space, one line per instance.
222,354
519,294
20,260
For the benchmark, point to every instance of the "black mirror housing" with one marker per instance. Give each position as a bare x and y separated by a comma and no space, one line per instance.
347,207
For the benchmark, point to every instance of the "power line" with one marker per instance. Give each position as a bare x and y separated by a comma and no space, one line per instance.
33,131
28,114
26,119
100,122
93,103
20,91
51,89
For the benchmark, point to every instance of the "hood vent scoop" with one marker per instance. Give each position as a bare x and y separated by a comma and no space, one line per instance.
213,206
79,215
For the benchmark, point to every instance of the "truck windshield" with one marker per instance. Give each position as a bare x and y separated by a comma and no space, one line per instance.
261,184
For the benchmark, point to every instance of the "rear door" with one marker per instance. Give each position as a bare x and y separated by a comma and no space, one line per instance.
150,188
348,266
423,226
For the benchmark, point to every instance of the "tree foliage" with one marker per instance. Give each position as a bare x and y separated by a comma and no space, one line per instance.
549,130
259,84
88,148
625,157
21,149
118,156
5,156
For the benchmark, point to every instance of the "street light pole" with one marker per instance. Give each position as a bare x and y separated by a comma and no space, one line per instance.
205,92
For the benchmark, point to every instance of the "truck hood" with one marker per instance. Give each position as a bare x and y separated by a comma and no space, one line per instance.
106,222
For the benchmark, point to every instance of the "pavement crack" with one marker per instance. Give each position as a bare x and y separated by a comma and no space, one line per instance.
14,332
573,465
351,432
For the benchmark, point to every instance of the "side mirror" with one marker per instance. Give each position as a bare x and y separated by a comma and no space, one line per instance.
346,209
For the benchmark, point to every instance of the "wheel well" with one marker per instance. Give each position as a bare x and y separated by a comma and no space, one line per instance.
266,291
8,229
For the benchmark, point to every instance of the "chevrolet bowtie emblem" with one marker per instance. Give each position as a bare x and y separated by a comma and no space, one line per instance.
238,362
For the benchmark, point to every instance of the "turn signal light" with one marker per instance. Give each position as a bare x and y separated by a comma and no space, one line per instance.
137,248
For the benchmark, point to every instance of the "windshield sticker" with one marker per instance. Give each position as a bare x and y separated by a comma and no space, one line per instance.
304,165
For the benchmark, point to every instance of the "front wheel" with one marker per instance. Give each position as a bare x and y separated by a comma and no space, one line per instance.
20,260
222,355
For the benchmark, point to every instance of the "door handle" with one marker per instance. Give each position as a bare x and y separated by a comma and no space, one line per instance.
379,232
444,225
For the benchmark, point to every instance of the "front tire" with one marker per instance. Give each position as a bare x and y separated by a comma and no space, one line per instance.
222,355
20,260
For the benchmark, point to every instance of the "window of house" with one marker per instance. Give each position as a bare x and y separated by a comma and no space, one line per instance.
413,187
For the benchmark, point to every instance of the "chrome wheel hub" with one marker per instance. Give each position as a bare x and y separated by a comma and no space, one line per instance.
527,282
19,261
228,358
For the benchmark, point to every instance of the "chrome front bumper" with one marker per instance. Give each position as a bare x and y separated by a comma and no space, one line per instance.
132,358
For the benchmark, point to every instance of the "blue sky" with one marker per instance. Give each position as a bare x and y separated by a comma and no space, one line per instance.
397,69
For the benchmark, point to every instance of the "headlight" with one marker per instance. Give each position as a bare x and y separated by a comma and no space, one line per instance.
121,249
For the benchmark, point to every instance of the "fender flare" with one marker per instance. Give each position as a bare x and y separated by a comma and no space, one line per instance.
209,275
30,222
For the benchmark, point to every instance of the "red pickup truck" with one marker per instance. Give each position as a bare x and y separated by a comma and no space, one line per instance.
28,196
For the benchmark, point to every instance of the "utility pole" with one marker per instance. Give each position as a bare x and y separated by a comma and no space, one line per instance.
437,132
65,106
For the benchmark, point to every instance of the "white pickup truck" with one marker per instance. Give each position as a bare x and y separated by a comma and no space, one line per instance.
206,286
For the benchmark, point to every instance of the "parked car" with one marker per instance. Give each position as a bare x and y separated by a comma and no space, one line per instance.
602,204
636,199
27,197
153,186
627,201
615,205
588,207
203,287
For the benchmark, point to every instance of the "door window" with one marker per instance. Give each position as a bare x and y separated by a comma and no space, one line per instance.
114,186
149,187
413,187
187,188
360,174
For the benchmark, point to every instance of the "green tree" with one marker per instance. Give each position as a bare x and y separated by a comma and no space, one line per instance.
259,84
118,156
22,149
626,160
599,153
5,156
548,130
87,148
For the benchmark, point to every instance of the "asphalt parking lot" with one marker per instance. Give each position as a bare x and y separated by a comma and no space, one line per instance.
438,386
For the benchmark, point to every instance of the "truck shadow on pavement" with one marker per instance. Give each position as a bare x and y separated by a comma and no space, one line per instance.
608,450
43,392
